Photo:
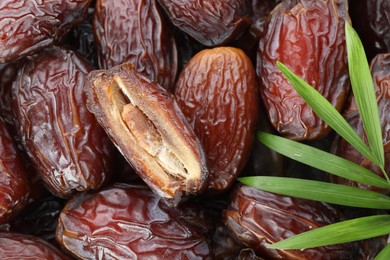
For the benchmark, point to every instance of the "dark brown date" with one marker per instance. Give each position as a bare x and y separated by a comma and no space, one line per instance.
217,92
8,74
146,124
127,222
308,37
211,23
137,32
258,218
17,246
380,70
62,138
29,26
14,182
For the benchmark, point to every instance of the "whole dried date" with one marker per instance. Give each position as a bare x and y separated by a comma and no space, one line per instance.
136,31
18,246
14,182
127,222
211,23
29,26
147,126
62,138
308,37
258,218
380,70
217,92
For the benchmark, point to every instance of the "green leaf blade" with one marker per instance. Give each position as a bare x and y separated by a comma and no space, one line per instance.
342,232
384,254
364,92
322,160
319,191
327,112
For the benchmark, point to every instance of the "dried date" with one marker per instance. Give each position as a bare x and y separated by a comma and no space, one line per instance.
29,26
308,37
62,138
147,126
258,218
211,23
127,222
217,92
137,32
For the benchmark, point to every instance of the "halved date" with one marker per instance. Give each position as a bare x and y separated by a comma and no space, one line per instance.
148,127
62,138
29,26
127,222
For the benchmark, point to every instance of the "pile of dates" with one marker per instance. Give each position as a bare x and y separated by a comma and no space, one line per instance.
124,124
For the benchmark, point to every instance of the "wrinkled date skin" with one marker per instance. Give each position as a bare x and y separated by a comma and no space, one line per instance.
217,92
211,23
18,246
308,37
136,32
14,182
28,26
8,74
127,222
380,71
258,219
146,124
62,138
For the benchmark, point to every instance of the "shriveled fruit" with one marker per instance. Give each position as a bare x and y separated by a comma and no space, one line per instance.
62,138
136,31
258,218
308,37
29,26
127,222
14,181
144,121
17,246
211,23
217,92
380,70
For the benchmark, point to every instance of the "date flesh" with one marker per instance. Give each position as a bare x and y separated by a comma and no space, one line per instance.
258,218
211,23
29,26
62,138
149,129
137,32
217,92
127,222
308,37
380,71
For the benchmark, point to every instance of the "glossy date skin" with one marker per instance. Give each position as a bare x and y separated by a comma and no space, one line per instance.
136,32
62,138
28,26
14,181
217,92
308,37
127,222
258,218
380,71
211,23
18,246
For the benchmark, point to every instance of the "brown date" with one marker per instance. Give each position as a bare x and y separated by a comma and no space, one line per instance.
18,246
380,70
217,92
14,182
137,32
127,222
29,26
62,138
308,37
146,124
211,23
258,218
